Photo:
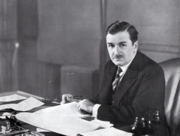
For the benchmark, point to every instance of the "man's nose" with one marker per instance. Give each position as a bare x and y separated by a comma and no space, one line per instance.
117,50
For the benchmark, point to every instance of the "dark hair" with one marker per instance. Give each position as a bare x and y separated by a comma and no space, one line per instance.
123,26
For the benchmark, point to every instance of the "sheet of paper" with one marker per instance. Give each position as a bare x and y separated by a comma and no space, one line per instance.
65,109
104,124
107,132
25,105
64,119
41,130
13,97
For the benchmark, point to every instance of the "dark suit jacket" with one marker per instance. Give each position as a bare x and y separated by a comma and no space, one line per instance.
142,89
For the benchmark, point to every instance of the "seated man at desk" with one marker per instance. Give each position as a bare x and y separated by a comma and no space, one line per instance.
133,84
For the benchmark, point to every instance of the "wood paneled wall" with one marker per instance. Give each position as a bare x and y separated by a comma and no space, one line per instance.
35,76
8,35
70,35
79,81
70,32
58,38
6,67
8,20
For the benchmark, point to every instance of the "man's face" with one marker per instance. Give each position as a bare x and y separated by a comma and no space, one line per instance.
120,48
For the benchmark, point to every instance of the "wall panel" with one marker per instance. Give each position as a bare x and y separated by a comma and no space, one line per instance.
79,81
8,37
6,69
159,52
157,23
36,77
8,20
67,33
70,32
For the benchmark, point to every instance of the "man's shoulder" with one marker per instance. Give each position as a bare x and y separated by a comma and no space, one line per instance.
110,63
109,66
149,65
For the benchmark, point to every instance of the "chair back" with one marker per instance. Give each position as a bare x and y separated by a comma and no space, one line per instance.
172,94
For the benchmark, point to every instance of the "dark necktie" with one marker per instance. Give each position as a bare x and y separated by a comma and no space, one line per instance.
117,77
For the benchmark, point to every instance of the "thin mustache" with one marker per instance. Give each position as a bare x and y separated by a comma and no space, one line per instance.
117,56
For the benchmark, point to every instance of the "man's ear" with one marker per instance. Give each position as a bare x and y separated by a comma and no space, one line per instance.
136,44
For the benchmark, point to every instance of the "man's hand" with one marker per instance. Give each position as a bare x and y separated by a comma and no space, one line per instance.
66,98
86,105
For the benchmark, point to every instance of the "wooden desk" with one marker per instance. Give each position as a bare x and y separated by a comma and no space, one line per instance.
20,93
30,127
25,125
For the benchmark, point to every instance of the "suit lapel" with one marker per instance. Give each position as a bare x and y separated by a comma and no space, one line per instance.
129,78
127,81
105,97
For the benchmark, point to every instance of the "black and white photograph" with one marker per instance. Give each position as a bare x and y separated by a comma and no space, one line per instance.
90,67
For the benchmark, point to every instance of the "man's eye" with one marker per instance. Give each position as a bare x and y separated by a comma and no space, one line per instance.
122,45
110,45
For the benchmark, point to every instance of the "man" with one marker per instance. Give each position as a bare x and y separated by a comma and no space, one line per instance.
133,84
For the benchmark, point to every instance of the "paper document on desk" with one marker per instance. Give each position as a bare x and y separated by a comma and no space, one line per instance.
104,124
63,119
25,105
107,132
69,109
13,97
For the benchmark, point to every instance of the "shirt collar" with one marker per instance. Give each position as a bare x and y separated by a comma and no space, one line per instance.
125,67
